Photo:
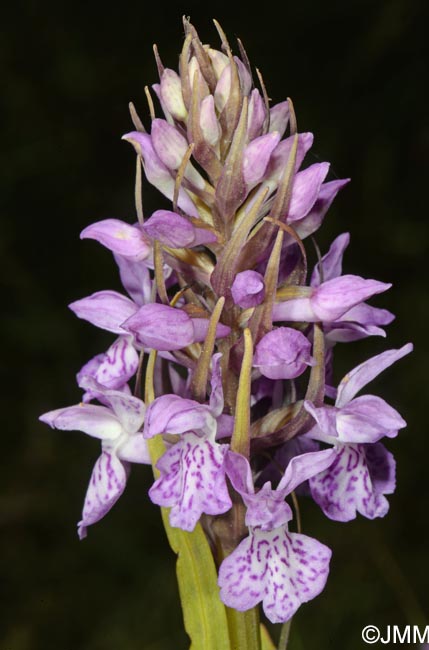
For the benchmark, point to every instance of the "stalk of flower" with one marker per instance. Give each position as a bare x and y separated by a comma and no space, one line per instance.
240,350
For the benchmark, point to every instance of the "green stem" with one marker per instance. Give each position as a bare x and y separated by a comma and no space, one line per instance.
284,635
244,629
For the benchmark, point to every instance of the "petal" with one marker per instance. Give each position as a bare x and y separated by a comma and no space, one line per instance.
169,144
107,483
94,390
192,481
346,488
245,78
332,262
219,61
114,368
203,235
119,237
256,157
239,473
96,421
367,419
281,155
222,89
306,188
283,353
174,414
344,332
170,229
157,173
129,410
89,370
275,469
266,508
335,297
248,289
208,121
105,309
295,310
178,383
225,426
326,418
157,90
161,327
216,394
263,388
367,371
135,278
201,326
135,450
312,221
368,315
256,115
281,569
279,117
171,94
303,467
382,468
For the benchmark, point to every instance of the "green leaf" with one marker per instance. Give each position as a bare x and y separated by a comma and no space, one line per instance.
204,613
208,623
267,643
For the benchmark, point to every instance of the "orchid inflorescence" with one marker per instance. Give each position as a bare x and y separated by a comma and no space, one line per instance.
232,340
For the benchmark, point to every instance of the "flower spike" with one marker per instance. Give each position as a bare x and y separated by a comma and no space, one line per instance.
234,349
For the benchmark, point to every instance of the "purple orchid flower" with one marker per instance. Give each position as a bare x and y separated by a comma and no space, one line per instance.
362,472
118,427
361,320
192,479
132,247
158,173
135,243
161,327
280,568
329,301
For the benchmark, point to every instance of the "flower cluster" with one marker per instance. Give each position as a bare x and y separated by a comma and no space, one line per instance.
240,336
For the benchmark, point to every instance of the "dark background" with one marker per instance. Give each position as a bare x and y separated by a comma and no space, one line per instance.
357,73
